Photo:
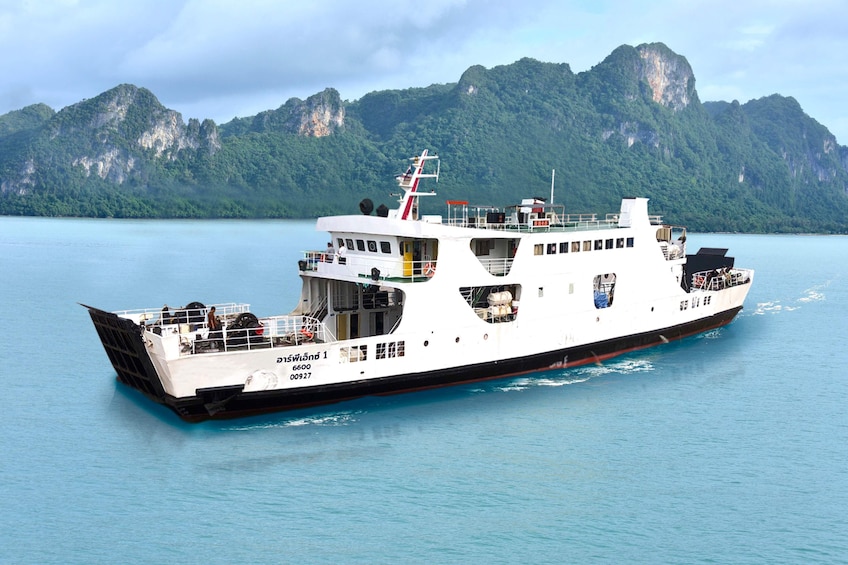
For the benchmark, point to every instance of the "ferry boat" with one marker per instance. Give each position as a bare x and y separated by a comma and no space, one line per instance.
400,302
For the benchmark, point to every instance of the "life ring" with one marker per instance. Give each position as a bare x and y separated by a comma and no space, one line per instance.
306,334
429,270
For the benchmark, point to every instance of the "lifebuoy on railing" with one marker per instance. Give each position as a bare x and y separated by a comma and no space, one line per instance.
429,270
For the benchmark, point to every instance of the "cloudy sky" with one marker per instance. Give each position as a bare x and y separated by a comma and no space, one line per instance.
225,58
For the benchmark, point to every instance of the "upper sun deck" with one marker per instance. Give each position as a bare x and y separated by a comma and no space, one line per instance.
531,215
403,245
535,215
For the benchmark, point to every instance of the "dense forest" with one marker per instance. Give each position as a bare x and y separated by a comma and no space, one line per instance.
630,126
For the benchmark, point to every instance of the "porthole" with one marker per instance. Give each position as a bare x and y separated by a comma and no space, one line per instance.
426,343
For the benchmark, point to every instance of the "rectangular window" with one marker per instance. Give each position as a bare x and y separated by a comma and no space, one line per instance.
372,246
552,248
608,244
385,247
629,242
538,249
563,247
575,247
349,243
354,353
599,244
360,245
381,351
401,347
619,243
587,245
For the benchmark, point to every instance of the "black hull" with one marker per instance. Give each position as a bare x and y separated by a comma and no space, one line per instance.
122,341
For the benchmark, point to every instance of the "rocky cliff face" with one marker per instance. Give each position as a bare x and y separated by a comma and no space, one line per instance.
128,125
113,135
631,76
319,115
21,181
668,75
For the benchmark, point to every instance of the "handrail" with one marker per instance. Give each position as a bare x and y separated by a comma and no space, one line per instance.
719,279
167,316
274,331
195,336
395,325
497,265
375,266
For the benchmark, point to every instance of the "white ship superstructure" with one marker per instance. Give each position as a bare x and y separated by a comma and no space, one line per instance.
400,301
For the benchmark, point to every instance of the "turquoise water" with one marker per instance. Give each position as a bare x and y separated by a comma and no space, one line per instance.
729,447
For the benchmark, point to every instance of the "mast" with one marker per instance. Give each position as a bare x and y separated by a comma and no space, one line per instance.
408,209
553,174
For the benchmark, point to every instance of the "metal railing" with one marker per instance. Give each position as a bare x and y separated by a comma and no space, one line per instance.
548,222
193,314
719,279
498,266
370,265
271,332
240,330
